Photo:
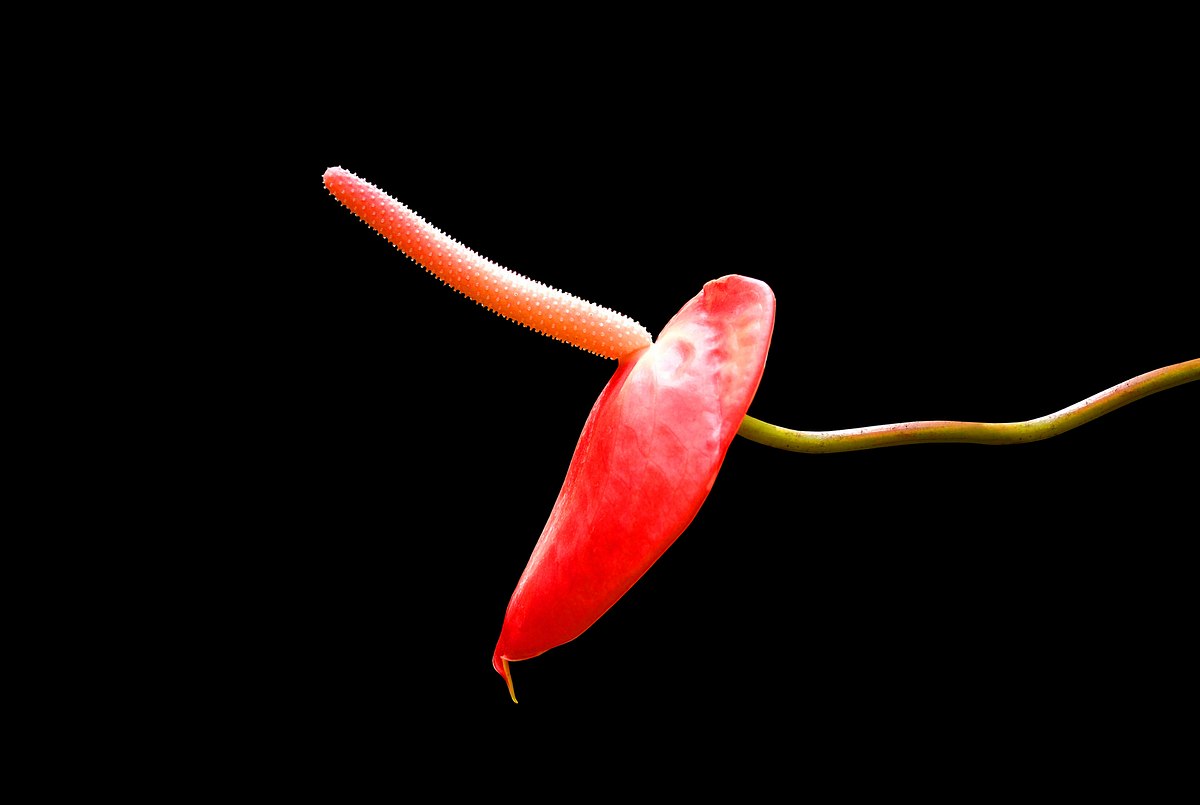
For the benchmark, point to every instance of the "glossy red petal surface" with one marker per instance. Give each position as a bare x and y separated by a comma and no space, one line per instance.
644,464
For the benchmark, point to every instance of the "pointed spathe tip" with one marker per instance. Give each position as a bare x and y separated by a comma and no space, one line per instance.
501,666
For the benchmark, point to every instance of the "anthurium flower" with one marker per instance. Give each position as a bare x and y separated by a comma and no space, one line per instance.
655,439
652,445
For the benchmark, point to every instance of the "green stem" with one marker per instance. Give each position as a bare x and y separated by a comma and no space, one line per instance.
841,441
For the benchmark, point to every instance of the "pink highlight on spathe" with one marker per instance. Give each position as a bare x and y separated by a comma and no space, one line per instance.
532,304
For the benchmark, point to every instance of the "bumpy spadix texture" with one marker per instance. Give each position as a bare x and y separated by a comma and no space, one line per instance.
645,462
547,310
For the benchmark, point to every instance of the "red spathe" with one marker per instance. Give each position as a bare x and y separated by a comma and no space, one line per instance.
645,462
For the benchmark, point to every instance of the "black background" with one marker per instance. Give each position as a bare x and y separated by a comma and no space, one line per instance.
986,239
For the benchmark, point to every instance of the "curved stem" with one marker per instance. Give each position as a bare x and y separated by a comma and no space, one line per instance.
841,441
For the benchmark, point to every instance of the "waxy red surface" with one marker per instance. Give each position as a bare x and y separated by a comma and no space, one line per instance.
644,464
